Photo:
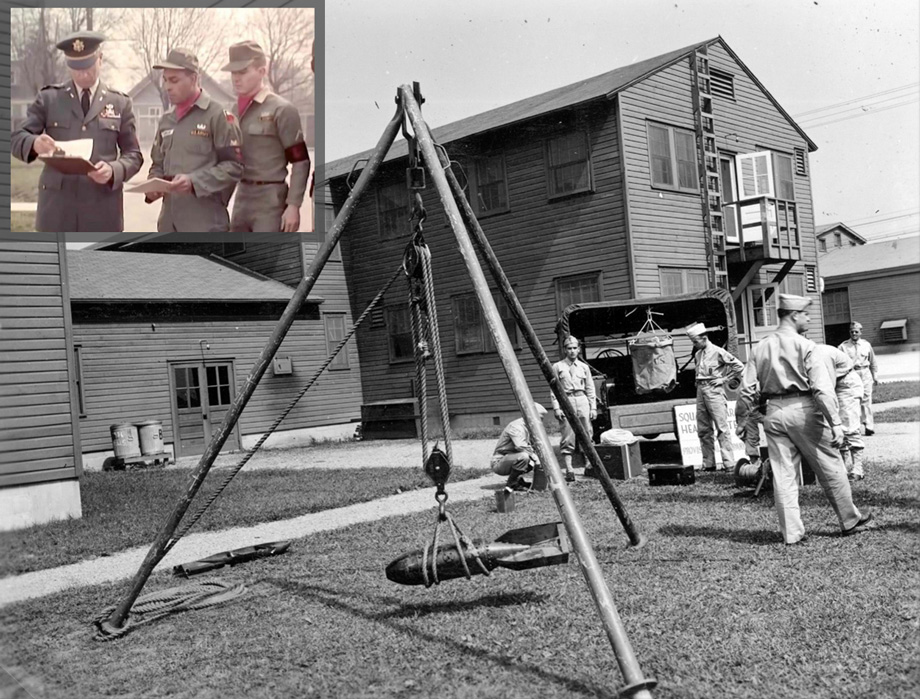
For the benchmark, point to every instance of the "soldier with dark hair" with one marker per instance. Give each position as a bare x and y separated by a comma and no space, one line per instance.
197,148
82,107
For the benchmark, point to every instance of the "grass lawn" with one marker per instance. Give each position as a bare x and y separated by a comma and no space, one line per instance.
24,180
714,606
907,413
896,390
22,222
123,509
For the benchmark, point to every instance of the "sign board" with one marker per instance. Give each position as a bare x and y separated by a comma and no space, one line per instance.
690,452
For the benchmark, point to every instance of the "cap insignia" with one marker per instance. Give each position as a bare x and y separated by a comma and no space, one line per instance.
78,46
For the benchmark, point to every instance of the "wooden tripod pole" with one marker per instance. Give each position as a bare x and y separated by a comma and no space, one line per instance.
115,622
636,684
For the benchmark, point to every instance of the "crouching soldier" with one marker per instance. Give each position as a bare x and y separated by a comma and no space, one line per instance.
272,138
197,148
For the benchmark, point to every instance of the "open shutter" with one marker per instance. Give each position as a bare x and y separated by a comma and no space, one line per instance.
755,174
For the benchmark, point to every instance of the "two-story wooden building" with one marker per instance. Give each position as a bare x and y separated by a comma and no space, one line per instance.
674,174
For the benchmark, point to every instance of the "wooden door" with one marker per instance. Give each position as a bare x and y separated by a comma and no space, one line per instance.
201,395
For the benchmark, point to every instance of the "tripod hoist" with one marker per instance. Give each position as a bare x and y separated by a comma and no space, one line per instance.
548,543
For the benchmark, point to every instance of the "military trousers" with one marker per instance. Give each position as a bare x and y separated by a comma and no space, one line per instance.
516,461
257,208
712,417
583,412
868,420
849,398
796,430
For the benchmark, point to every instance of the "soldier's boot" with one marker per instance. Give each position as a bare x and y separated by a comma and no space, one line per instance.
569,471
858,473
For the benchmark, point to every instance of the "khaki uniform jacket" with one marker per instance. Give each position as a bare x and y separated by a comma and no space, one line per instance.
205,145
272,138
74,203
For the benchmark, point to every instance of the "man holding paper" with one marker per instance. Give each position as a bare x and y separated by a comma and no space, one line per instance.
81,108
196,150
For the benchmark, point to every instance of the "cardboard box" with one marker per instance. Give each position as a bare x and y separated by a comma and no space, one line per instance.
621,462
671,474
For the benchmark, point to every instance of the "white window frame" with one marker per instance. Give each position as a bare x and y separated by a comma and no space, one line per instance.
685,276
771,305
334,335
755,175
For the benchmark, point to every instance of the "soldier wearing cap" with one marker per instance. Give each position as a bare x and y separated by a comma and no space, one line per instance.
272,138
82,107
196,148
801,422
714,366
863,357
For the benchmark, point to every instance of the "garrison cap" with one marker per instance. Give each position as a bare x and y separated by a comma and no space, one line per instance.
855,325
791,302
541,411
80,49
180,59
696,329
242,55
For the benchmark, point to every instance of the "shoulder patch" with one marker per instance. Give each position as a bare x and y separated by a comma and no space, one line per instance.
230,118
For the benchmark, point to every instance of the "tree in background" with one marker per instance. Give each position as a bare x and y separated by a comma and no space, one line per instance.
286,35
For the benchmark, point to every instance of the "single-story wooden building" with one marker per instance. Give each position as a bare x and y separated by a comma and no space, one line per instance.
40,463
877,284
671,175
171,337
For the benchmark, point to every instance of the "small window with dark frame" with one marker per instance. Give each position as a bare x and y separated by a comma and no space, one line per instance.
672,158
822,245
491,185
722,83
335,333
393,210
471,333
399,334
582,288
569,164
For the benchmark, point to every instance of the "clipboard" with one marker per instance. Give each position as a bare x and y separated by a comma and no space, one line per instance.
154,185
69,165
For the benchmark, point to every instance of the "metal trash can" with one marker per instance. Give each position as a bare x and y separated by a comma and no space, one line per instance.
124,440
150,436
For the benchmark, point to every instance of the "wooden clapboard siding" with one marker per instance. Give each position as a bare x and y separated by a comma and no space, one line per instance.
886,295
536,241
38,426
126,372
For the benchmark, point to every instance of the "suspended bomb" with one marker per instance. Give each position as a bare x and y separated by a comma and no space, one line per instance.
519,549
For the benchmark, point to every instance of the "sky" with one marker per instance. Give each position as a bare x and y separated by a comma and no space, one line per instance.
848,71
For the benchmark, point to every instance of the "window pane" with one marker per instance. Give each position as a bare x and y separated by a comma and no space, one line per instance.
685,144
490,184
794,284
335,333
581,289
660,154
697,280
672,282
399,332
785,185
468,335
568,163
393,210
836,303
764,305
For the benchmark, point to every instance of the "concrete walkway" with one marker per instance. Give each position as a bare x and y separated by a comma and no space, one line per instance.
125,565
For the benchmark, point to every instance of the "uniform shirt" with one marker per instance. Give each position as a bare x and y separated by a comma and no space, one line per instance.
514,438
205,145
272,138
574,377
75,203
713,364
786,362
861,353
838,366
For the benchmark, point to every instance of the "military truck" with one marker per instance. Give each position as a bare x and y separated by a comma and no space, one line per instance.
641,356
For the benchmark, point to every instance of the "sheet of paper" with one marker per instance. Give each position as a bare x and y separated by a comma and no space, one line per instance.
80,148
150,186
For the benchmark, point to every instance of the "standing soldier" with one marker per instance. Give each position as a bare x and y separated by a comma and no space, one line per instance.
83,107
714,366
863,357
802,420
575,380
197,148
272,138
849,389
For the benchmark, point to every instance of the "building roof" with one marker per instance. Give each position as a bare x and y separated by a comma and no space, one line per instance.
210,85
604,86
102,275
872,258
821,231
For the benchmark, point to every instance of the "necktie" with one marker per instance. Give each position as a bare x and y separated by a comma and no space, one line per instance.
84,101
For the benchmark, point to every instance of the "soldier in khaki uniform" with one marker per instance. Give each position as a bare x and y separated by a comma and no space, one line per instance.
197,148
83,107
272,138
